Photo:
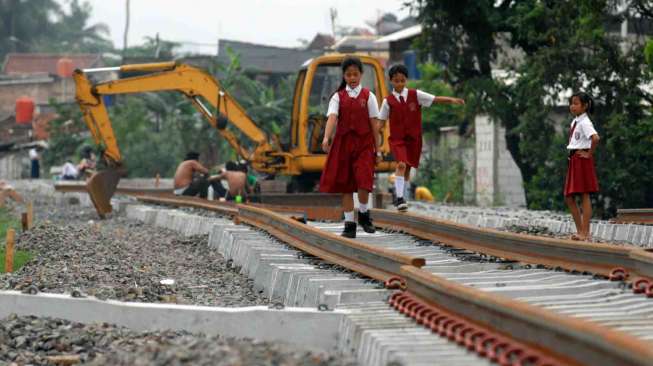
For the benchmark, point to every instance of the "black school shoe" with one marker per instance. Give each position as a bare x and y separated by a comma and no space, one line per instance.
350,230
401,204
365,222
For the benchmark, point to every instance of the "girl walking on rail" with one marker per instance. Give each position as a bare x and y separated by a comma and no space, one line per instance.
351,138
404,109
581,174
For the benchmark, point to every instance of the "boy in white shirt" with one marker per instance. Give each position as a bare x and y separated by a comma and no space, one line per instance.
404,109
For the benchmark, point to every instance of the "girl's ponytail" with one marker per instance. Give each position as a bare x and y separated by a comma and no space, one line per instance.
343,85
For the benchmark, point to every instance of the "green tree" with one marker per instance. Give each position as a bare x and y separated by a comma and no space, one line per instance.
154,47
45,26
23,22
68,134
566,46
442,173
72,32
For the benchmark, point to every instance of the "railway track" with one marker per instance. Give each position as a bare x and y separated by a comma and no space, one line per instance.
635,216
493,292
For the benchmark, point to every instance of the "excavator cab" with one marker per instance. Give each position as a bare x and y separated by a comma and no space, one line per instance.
302,158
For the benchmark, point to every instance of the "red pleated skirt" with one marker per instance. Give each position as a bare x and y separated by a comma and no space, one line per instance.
581,176
350,164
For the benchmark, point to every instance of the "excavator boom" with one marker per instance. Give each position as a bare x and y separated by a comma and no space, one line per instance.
302,158
190,81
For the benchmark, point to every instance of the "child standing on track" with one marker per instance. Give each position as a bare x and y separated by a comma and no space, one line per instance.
581,174
350,164
403,108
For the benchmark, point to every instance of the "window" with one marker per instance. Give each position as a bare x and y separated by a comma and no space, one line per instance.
326,80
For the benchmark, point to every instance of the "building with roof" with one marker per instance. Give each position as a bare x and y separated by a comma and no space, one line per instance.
35,75
37,63
321,42
267,64
40,77
365,44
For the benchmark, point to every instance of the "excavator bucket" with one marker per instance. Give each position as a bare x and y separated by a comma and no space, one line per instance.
101,186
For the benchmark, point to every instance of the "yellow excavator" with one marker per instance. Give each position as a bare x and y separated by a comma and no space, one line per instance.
301,157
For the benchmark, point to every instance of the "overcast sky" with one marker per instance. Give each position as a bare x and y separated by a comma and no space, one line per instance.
270,22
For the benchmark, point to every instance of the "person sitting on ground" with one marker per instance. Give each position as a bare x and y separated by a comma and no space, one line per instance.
88,163
69,171
191,178
236,178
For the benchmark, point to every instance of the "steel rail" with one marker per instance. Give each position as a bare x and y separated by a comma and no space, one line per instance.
223,208
583,341
81,187
505,330
377,263
635,216
601,259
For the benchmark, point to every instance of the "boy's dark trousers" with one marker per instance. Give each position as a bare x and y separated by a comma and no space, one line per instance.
200,186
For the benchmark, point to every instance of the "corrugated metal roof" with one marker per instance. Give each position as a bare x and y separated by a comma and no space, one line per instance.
268,59
402,34
361,43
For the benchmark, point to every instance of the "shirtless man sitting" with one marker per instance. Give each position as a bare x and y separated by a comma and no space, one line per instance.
191,178
236,178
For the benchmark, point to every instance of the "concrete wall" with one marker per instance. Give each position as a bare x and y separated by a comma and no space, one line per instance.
40,90
13,165
498,179
485,187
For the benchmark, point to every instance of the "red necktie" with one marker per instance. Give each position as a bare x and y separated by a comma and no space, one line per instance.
401,99
571,130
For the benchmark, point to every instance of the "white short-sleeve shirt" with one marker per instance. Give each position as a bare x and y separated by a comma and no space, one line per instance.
69,170
33,154
372,104
423,98
582,136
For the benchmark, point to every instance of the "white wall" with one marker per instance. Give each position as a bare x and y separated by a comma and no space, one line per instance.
11,165
498,179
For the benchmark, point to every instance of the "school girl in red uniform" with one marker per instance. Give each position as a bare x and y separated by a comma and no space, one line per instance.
350,138
581,174
404,109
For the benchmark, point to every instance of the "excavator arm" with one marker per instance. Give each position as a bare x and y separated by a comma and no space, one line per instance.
195,84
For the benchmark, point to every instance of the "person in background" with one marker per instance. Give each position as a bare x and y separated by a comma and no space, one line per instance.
236,177
35,158
69,171
86,166
191,178
581,174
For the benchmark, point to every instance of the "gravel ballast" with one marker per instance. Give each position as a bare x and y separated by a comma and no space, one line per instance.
41,341
124,260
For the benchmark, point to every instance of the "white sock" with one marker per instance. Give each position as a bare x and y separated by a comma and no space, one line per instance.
399,187
349,216
362,207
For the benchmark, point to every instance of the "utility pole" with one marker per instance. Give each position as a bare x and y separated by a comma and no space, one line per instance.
124,40
333,14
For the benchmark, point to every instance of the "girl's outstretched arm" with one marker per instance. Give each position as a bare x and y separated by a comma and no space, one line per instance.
329,130
448,100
